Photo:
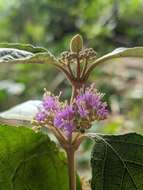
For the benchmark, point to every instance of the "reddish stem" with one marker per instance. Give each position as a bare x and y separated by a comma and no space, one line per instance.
71,168
78,68
84,69
76,86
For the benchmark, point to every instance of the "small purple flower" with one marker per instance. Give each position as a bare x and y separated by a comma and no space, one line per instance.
50,103
90,105
102,111
40,116
65,120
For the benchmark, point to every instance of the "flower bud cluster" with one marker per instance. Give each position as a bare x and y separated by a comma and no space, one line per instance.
79,115
70,57
88,53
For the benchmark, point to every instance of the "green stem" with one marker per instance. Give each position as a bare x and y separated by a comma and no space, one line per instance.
71,168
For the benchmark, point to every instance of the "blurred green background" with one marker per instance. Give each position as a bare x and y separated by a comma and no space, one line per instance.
104,25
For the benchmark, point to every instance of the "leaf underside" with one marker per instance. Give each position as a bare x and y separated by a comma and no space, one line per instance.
25,54
120,53
30,161
117,163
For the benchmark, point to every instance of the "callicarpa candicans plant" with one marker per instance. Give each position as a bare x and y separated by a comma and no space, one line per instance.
70,120
116,160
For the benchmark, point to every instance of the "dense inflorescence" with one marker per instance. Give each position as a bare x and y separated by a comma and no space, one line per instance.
87,107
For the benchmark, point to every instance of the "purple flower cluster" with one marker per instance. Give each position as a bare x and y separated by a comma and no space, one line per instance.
91,106
50,103
87,107
40,116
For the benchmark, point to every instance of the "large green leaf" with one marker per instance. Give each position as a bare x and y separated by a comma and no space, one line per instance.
117,163
30,161
26,54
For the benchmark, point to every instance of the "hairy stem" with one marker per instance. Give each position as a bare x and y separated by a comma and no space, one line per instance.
78,68
65,71
71,168
74,92
84,69
70,71
76,86
92,67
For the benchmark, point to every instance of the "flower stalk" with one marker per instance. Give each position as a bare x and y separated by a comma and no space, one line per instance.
71,167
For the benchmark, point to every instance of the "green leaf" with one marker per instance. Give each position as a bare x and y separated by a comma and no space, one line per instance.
127,54
30,161
76,43
117,162
25,54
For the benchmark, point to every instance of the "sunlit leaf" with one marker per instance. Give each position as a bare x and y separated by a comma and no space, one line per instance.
21,114
25,47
